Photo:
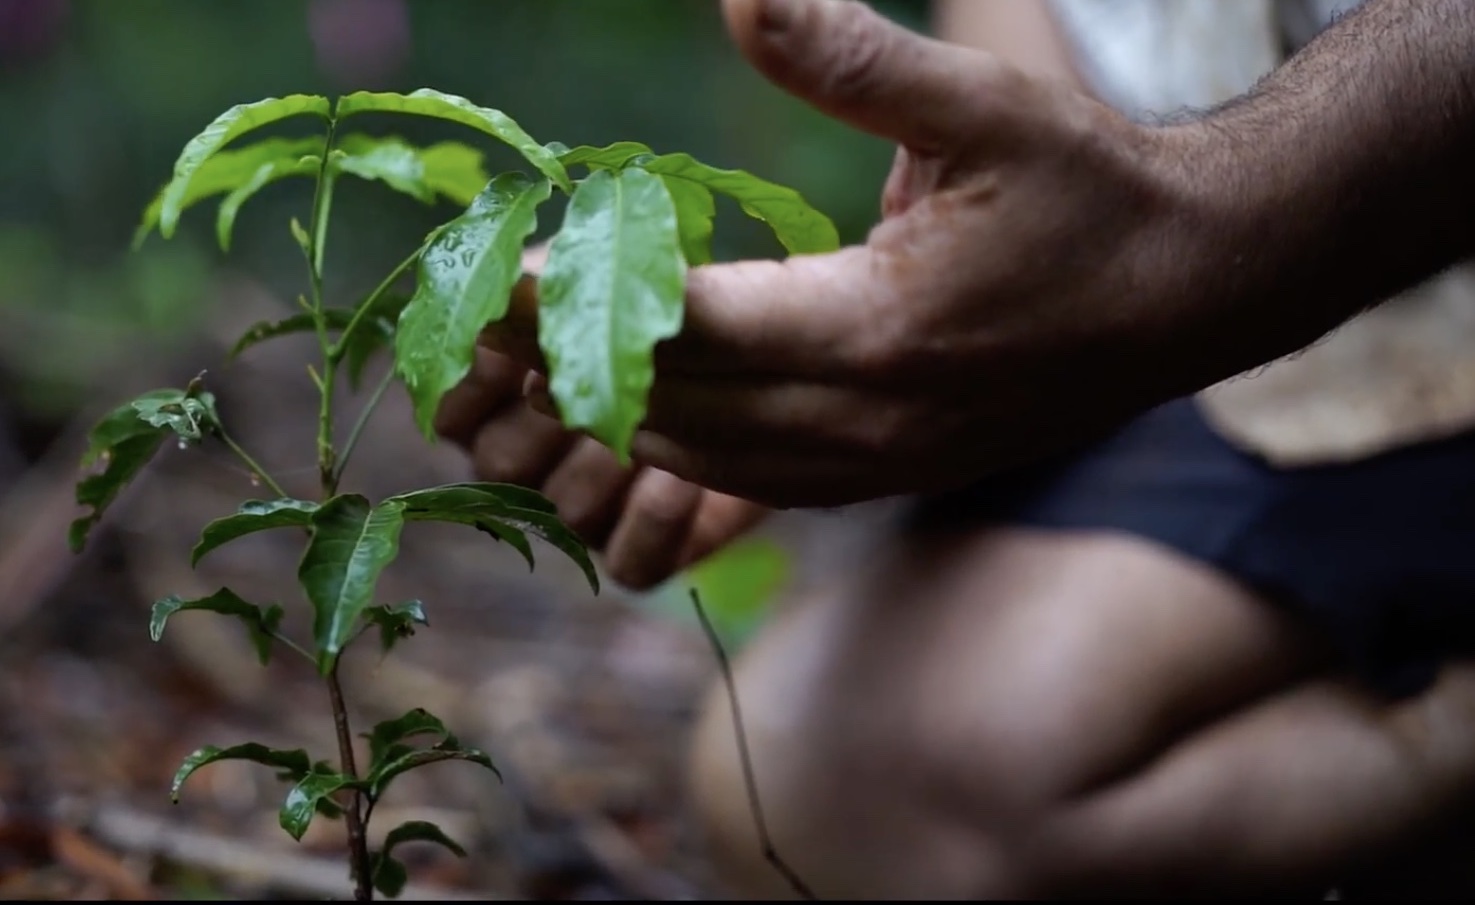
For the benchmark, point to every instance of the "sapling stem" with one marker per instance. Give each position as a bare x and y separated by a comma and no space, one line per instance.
293,645
363,420
358,843
328,472
322,203
355,322
255,467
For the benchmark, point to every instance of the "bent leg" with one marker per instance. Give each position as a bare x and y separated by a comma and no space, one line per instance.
1011,713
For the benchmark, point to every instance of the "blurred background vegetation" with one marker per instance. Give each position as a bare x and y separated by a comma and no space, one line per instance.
97,98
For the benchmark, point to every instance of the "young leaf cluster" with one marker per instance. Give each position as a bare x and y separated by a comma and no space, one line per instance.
613,287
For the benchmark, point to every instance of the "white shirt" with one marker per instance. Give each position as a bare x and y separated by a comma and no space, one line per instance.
1401,373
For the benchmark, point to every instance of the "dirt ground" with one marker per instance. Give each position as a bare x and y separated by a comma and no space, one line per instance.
582,701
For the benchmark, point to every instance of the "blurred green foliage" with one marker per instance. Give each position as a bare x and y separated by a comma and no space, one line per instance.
95,115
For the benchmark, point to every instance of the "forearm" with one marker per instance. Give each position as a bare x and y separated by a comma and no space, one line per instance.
1350,171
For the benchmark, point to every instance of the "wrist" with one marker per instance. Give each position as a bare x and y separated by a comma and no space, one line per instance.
1250,261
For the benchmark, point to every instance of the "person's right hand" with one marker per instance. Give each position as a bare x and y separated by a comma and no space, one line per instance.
1045,269
648,523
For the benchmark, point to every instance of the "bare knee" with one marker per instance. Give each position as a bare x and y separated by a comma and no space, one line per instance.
842,793
918,734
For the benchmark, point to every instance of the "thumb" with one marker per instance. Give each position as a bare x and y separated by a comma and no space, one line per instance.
854,64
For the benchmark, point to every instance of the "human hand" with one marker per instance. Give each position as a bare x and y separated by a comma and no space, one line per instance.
1044,269
648,523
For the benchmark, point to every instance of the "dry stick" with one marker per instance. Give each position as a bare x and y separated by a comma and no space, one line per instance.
770,854
131,830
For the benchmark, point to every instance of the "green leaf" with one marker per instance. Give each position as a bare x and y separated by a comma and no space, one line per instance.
801,228
124,461
294,763
390,160
269,172
449,168
455,170
455,504
227,127
189,413
429,102
373,333
396,622
505,511
613,287
261,331
695,210
304,799
224,172
388,875
550,529
389,756
351,544
253,516
125,443
261,622
503,532
465,281
421,831
403,761
385,735
477,493
609,157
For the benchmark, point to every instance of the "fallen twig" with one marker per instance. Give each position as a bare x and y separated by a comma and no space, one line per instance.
126,828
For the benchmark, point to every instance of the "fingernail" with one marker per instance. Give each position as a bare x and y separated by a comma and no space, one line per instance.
534,382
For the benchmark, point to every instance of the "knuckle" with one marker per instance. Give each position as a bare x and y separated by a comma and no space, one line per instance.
880,348
883,431
859,45
663,503
630,572
495,459
582,512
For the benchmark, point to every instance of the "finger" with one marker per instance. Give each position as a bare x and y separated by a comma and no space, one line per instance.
720,519
804,315
855,65
519,446
516,333
790,417
774,479
493,382
588,487
647,543
797,417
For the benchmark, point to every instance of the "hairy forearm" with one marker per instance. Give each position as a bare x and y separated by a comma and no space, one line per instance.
1351,169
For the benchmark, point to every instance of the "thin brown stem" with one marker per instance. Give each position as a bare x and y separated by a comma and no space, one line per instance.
750,783
358,841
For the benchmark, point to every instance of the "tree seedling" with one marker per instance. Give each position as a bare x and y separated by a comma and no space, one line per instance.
613,287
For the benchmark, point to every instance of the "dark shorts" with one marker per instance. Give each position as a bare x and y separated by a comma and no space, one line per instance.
1377,555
